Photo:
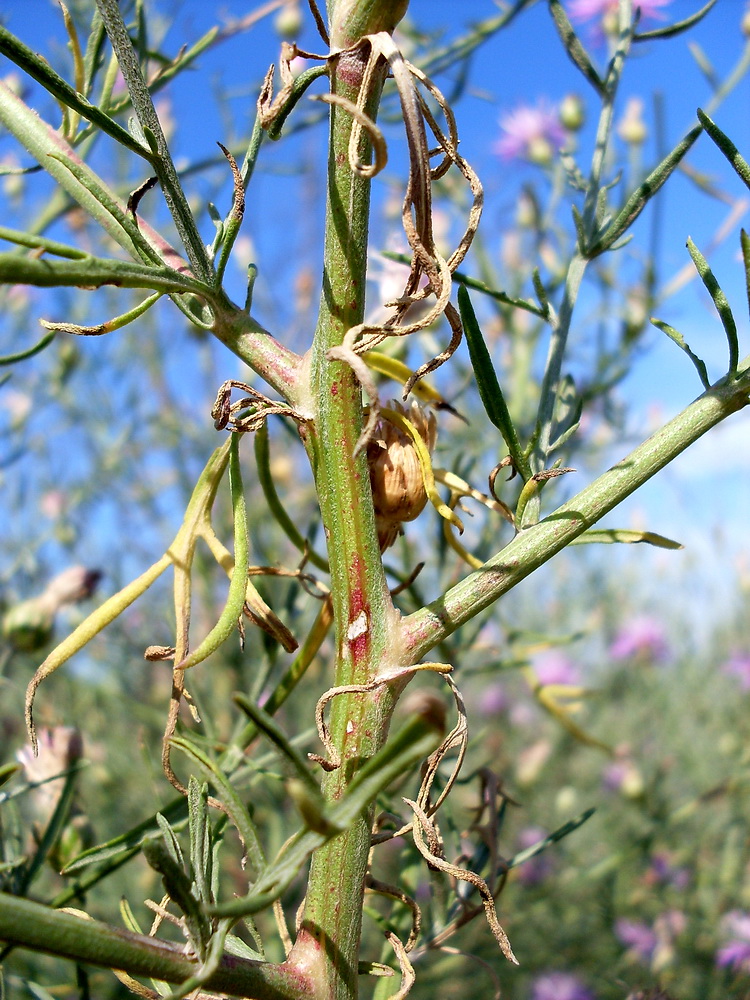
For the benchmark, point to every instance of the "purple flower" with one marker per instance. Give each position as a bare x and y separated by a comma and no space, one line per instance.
494,700
531,133
588,10
662,872
553,667
537,868
738,665
736,952
638,938
642,638
560,986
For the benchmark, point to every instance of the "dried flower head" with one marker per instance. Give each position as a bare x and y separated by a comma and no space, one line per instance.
398,489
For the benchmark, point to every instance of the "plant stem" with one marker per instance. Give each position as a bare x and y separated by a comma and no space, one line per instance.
32,925
364,617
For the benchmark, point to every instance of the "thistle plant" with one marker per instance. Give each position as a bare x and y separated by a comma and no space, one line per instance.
373,466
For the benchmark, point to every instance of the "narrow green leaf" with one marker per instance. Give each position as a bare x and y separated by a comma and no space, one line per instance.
720,301
42,72
643,194
552,838
273,731
34,241
677,337
201,856
52,831
489,388
301,84
574,48
12,359
93,272
170,840
109,326
129,843
608,536
670,30
745,244
229,798
228,618
727,147
265,478
162,160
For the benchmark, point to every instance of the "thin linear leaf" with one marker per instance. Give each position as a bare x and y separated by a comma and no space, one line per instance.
130,842
52,831
677,337
607,536
727,147
93,272
265,478
476,285
552,838
745,244
162,159
42,72
229,798
273,731
720,301
34,241
489,388
109,326
643,194
574,48
201,855
12,359
670,30
229,617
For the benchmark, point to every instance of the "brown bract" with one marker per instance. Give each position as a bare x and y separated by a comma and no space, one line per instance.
396,477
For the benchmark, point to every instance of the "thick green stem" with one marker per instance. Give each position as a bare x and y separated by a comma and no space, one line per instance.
365,620
534,546
31,925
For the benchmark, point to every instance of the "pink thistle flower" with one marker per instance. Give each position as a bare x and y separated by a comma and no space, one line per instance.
642,638
553,667
640,939
738,665
531,133
602,10
560,986
736,952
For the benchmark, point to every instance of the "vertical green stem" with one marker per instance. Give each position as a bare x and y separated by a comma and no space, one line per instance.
364,617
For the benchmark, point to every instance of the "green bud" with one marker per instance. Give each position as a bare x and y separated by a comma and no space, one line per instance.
28,626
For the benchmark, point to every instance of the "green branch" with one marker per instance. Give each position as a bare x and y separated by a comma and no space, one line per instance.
536,545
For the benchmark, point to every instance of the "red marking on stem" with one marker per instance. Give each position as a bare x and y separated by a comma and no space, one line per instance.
359,646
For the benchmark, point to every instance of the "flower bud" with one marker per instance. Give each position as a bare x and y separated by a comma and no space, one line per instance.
395,473
288,22
29,625
572,113
632,129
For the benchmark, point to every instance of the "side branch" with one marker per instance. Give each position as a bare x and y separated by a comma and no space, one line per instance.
534,546
31,925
